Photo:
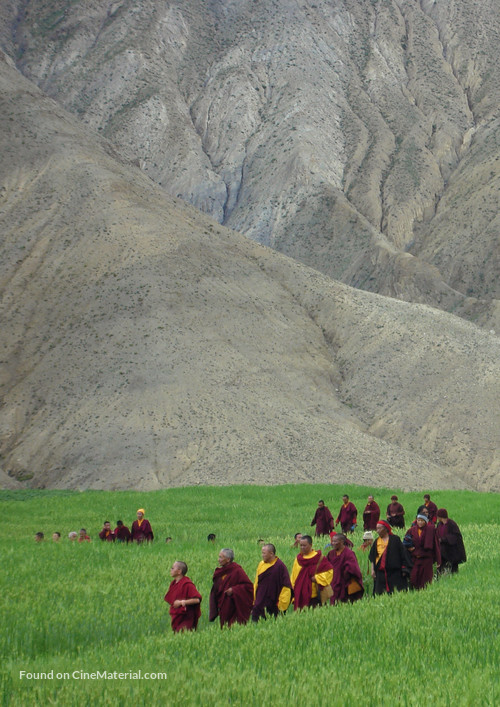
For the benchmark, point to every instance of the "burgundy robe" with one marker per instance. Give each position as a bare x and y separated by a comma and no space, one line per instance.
184,618
107,535
122,534
425,553
398,519
143,532
347,516
303,584
323,520
345,569
269,586
236,607
451,544
371,516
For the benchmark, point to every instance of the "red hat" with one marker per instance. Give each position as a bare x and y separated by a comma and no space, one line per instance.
385,524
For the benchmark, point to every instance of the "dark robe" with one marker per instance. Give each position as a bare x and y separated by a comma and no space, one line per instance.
303,584
323,520
371,516
393,568
141,533
397,520
432,510
184,618
345,570
270,584
451,544
425,552
107,535
236,607
122,534
347,516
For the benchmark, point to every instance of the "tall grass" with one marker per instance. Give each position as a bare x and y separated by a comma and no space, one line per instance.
77,609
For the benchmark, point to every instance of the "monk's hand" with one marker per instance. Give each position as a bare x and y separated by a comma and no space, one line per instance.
229,591
177,603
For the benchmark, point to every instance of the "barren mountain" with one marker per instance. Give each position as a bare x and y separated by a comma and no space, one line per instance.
360,137
144,345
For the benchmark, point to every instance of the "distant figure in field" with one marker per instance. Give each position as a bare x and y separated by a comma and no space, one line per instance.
168,539
56,537
323,519
122,533
231,596
211,537
348,515
184,599
141,528
296,539
430,507
73,536
395,513
83,537
272,586
424,550
367,541
106,533
371,514
347,583
390,562
451,542
311,571
39,537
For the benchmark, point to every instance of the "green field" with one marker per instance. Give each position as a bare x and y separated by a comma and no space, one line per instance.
77,609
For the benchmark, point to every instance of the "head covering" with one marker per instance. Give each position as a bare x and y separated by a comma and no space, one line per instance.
385,524
368,535
141,510
442,513
423,517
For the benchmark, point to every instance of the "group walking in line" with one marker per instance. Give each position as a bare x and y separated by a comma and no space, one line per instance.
316,578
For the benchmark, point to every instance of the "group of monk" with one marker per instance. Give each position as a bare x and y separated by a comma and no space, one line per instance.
317,579
140,532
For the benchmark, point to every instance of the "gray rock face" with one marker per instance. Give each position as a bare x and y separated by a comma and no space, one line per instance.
144,346
358,137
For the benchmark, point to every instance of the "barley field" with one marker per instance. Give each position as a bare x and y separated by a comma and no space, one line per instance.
86,624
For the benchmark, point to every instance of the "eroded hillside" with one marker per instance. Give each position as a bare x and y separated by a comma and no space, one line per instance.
143,345
360,137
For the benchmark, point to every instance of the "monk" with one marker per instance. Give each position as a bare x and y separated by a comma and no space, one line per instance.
347,516
231,596
310,572
450,542
272,586
389,561
395,513
184,599
371,514
121,532
106,533
141,528
323,519
424,550
430,507
347,583
83,537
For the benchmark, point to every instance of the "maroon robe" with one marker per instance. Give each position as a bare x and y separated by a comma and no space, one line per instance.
236,607
323,520
303,584
345,569
398,519
451,544
269,586
122,534
143,532
347,517
107,535
371,516
425,553
184,618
